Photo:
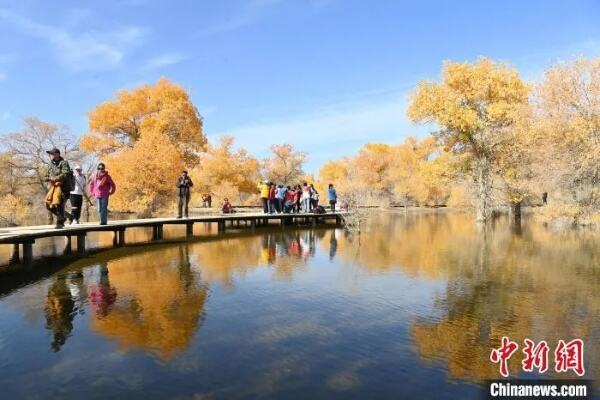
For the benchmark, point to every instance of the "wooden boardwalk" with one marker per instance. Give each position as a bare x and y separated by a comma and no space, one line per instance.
22,238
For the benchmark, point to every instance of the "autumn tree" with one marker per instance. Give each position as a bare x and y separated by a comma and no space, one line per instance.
225,171
23,162
284,165
514,167
435,178
13,210
164,108
568,122
145,181
406,167
27,148
474,106
337,172
372,165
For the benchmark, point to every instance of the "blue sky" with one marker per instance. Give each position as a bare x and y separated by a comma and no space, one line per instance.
323,75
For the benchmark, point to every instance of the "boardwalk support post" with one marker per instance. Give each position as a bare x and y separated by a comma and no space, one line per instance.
81,243
157,232
121,239
189,229
28,253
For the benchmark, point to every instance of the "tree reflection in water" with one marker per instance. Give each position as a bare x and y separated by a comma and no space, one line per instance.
530,282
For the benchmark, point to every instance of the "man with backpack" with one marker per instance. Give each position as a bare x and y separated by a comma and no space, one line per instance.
60,179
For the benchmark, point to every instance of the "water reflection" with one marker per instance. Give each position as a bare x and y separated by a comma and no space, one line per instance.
326,312
530,283
59,312
158,308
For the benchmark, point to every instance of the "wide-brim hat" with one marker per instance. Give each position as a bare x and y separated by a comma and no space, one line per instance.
53,150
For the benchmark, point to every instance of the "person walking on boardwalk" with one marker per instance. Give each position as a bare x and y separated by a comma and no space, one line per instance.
76,195
280,197
306,198
272,198
102,187
314,197
263,187
184,183
332,195
59,176
298,198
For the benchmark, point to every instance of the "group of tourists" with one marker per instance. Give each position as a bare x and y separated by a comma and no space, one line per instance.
299,198
66,184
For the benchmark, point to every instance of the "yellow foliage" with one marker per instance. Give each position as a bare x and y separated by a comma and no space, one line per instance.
460,196
472,98
475,105
164,108
413,171
285,165
568,128
146,174
372,165
13,210
225,172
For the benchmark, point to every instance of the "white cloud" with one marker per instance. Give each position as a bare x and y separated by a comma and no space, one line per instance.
79,50
163,60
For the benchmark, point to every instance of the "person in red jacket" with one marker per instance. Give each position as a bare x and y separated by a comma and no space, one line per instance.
288,200
227,207
272,198
102,186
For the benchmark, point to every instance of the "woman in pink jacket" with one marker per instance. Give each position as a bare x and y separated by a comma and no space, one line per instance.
102,186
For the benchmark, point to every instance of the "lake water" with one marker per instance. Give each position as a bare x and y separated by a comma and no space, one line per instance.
410,309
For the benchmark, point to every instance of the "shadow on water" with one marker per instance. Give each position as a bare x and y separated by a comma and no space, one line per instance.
410,308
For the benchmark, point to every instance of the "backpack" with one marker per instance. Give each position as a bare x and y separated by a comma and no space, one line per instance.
320,210
69,183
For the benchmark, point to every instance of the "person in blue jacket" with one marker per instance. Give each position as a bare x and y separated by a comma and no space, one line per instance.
332,194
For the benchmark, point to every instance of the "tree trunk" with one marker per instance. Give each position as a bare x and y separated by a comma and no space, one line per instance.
483,188
515,212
